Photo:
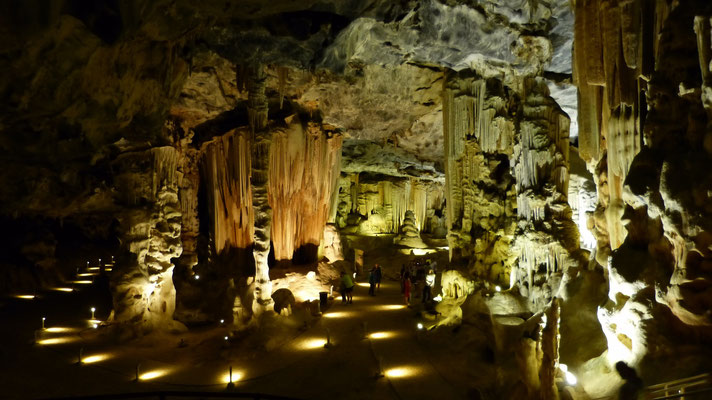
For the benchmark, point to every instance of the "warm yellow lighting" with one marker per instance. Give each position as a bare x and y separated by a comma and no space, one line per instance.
95,358
337,314
391,307
236,376
85,275
94,321
421,252
382,335
59,340
156,373
25,296
61,329
63,289
93,268
363,284
401,372
309,344
82,282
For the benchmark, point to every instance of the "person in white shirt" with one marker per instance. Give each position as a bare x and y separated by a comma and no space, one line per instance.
428,287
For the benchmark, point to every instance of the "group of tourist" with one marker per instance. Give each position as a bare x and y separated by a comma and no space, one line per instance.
426,272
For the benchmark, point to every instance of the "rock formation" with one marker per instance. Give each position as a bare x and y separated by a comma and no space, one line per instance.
219,151
409,233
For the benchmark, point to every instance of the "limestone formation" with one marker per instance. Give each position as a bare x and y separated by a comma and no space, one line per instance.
233,157
142,286
409,233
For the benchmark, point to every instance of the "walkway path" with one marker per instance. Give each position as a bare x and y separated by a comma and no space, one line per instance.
348,369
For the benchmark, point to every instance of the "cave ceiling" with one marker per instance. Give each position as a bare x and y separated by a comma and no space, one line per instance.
82,81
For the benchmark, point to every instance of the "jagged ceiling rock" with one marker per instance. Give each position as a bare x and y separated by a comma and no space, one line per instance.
488,35
401,105
82,82
366,156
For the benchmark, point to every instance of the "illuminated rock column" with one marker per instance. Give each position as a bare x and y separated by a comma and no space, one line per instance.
150,233
479,126
546,235
259,176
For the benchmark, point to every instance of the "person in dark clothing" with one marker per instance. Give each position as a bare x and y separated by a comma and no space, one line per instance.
401,277
372,281
378,275
632,389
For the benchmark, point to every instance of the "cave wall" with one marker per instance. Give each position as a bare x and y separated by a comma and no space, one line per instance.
507,163
377,203
642,69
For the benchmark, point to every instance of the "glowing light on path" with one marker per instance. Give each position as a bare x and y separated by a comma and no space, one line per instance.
363,284
63,289
401,372
309,344
236,376
95,358
58,340
61,329
382,335
337,314
391,307
156,373
25,296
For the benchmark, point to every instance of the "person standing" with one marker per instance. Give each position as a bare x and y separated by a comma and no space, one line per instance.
372,281
402,278
378,275
347,288
428,287
406,287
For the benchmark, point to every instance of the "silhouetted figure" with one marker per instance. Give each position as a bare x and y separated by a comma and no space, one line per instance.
632,389
372,281
406,287
402,278
347,288
378,274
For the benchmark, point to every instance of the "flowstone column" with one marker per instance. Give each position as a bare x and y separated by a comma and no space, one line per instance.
150,233
546,238
261,142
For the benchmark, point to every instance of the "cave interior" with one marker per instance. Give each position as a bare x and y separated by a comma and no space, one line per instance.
366,199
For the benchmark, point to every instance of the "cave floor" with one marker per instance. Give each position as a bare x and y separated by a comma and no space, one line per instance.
300,367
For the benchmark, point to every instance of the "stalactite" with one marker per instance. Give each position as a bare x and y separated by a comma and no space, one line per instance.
609,110
390,197
304,169
226,171
541,163
479,134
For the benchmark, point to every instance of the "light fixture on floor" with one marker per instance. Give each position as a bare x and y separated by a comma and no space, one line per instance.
93,310
420,326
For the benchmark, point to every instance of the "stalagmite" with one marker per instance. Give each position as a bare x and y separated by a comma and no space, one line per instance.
410,235
547,236
479,133
144,296
384,200
261,142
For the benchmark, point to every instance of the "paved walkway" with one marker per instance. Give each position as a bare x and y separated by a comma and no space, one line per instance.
303,368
